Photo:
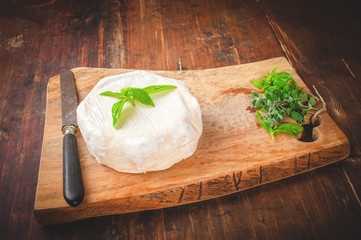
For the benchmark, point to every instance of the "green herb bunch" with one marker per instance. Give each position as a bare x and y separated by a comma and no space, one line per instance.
130,94
281,97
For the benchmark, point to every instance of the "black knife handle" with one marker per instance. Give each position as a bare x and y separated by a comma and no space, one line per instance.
73,188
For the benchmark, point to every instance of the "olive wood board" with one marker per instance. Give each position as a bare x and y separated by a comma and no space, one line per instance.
233,154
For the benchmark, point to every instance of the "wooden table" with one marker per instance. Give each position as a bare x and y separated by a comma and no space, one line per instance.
322,41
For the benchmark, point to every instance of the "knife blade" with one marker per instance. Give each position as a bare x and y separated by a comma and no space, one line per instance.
73,187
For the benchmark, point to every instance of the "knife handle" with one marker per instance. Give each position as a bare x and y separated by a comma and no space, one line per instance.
73,188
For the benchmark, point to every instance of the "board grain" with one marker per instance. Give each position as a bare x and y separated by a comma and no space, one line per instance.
234,152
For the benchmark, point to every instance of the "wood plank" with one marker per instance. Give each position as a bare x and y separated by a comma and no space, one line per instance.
22,114
89,33
336,73
229,146
199,34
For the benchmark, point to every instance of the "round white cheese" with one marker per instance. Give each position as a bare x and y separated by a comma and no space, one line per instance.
149,138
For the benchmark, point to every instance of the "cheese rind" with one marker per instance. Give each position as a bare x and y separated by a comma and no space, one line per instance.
149,138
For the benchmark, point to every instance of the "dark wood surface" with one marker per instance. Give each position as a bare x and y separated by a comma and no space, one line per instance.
321,39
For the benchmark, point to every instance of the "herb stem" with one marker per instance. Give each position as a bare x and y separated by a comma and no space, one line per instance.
273,104
321,110
311,108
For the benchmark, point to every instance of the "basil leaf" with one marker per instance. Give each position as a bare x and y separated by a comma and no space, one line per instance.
280,81
273,71
264,109
113,94
141,95
313,101
290,128
283,76
158,88
303,95
269,96
285,95
277,94
287,89
258,103
116,111
296,116
266,85
263,123
292,83
258,83
294,94
304,113
254,93
292,105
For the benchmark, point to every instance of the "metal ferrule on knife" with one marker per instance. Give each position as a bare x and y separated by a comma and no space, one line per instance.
69,129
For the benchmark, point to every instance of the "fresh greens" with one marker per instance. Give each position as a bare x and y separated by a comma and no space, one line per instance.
290,128
130,94
281,97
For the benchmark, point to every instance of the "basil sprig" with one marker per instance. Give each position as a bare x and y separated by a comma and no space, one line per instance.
130,94
281,97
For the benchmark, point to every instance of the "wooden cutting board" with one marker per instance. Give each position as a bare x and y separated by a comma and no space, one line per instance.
234,152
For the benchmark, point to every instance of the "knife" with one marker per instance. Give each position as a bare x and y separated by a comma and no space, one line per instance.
73,188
